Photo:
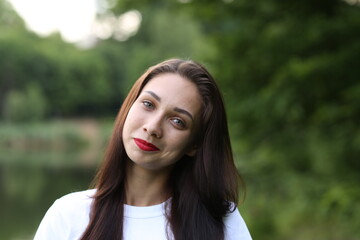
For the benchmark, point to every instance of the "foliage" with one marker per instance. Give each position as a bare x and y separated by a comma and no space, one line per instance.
25,106
157,39
9,20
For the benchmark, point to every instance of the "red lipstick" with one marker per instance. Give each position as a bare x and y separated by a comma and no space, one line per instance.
145,146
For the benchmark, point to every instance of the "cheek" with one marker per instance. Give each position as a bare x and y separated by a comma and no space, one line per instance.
133,116
180,142
129,123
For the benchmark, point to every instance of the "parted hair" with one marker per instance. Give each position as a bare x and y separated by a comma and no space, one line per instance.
205,187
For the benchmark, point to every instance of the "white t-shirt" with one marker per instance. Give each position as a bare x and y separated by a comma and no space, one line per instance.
68,218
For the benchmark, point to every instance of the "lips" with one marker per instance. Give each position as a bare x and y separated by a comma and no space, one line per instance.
145,146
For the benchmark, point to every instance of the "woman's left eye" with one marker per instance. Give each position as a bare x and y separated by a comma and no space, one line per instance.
180,123
148,104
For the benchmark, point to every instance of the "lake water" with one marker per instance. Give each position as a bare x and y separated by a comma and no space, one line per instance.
30,183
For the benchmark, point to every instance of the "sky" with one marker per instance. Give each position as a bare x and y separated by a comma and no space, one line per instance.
74,19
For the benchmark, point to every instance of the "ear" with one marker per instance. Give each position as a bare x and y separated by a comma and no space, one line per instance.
192,152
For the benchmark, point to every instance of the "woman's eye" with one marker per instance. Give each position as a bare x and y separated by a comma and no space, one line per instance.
147,104
180,123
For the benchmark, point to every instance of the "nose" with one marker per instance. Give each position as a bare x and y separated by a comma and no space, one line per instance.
153,127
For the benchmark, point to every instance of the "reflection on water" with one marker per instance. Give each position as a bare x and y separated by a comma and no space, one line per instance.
28,190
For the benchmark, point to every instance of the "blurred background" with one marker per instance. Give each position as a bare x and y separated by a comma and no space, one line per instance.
289,72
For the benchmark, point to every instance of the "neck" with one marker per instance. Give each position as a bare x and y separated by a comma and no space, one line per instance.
146,187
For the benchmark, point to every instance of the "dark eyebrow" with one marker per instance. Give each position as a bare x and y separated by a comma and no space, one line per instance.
154,95
183,111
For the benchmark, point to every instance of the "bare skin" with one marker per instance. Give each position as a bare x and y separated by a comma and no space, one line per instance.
144,188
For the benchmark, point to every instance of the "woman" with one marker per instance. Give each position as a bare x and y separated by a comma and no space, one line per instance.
168,172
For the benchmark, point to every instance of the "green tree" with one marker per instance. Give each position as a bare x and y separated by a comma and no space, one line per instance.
28,105
158,39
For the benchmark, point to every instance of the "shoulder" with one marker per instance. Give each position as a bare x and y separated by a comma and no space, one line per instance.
67,217
235,226
75,198
76,204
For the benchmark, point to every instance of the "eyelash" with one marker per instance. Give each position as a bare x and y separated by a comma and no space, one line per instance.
180,124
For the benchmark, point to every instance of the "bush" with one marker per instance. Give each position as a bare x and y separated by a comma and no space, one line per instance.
22,106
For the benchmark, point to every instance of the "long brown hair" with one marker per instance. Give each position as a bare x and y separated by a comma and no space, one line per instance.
205,187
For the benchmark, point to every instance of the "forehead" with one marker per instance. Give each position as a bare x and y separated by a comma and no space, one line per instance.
175,89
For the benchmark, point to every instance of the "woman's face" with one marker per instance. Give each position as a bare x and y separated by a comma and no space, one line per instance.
162,123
